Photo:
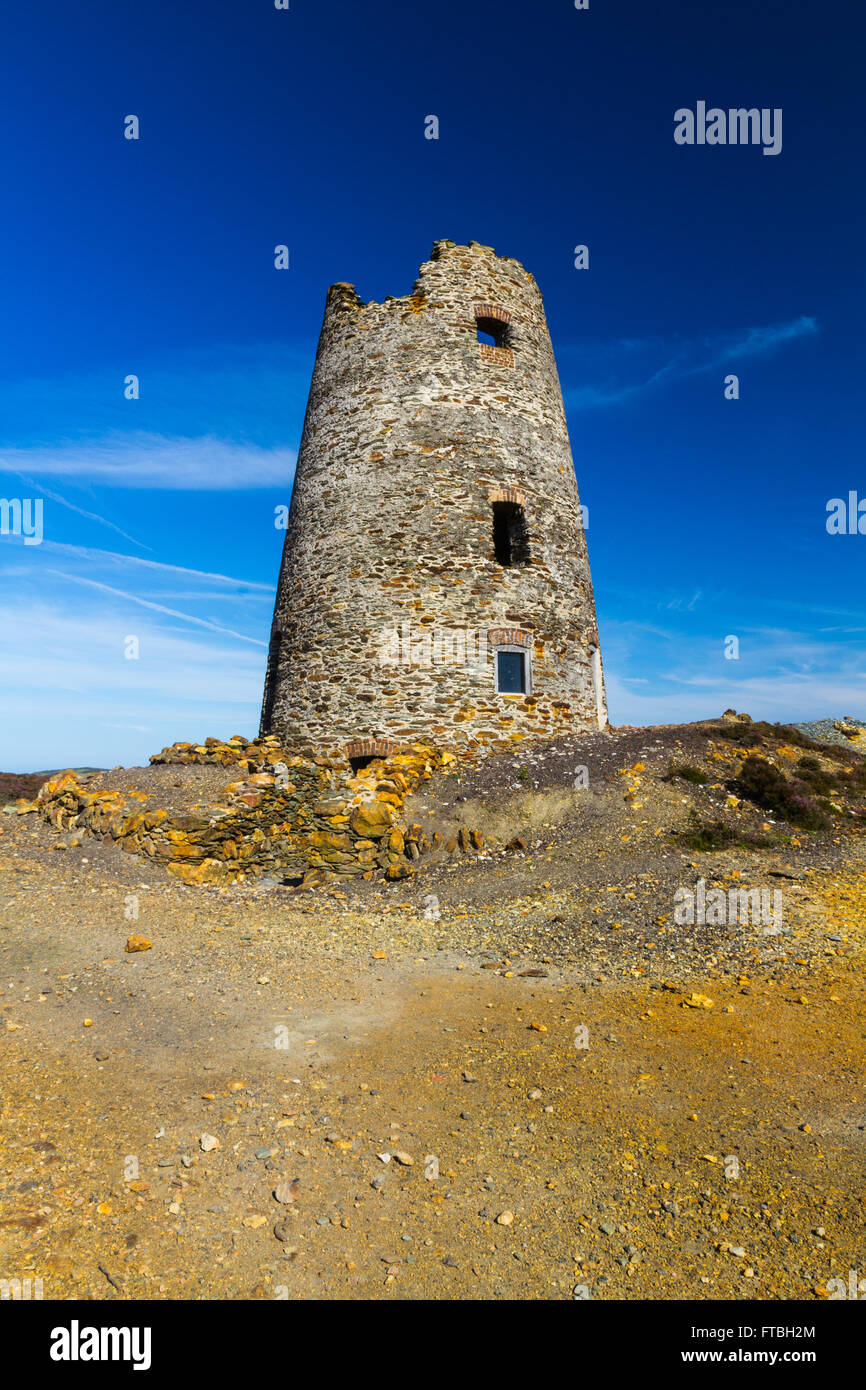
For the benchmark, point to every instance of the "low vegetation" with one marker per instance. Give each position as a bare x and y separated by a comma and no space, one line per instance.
764,785
753,733
707,836
688,773
15,785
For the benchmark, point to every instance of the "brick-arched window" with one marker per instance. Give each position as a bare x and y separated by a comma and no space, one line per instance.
495,332
362,751
512,660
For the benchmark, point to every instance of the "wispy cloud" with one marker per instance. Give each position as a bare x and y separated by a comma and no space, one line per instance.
112,557
142,460
680,605
157,607
689,359
89,516
781,674
69,696
780,699
760,340
243,392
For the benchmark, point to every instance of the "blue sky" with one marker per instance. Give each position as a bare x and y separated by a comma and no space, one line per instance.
306,127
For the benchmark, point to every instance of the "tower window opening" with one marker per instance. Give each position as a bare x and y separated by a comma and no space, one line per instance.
512,672
494,332
365,761
510,534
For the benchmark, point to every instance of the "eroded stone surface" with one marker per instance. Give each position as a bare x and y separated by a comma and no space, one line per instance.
391,598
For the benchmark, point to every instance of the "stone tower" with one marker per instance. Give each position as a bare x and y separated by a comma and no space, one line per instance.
435,580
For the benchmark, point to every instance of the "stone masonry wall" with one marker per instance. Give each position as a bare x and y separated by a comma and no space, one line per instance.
315,819
413,430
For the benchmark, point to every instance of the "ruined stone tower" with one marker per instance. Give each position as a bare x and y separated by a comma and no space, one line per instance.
435,579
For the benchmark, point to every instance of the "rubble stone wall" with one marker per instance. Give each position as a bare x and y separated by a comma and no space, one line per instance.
308,818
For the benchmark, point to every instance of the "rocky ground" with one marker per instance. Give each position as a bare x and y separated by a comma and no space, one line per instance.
517,1076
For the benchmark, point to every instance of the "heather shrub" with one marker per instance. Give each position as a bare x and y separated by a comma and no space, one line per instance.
763,784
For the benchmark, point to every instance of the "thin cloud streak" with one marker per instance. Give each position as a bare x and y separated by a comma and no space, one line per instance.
754,342
90,553
158,607
89,516
140,460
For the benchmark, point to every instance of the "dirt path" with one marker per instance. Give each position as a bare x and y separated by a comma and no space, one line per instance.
538,1165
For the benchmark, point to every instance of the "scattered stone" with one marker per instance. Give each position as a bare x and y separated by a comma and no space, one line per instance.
286,1192
138,943
698,1001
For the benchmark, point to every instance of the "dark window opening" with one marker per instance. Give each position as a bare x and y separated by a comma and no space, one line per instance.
511,673
495,332
358,763
510,534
